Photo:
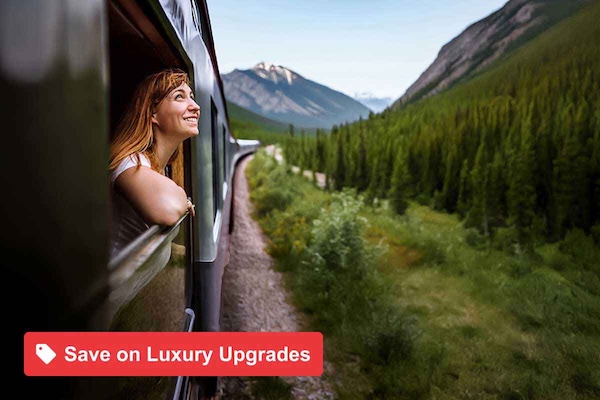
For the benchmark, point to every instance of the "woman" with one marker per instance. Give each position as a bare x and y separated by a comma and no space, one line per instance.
163,114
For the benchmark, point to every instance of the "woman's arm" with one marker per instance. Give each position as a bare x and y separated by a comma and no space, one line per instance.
155,197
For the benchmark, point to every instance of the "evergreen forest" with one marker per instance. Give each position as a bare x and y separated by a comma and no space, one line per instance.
454,251
514,151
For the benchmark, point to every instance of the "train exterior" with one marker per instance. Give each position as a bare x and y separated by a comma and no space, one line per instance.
67,69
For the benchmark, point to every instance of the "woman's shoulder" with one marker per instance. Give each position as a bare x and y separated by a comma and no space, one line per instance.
132,160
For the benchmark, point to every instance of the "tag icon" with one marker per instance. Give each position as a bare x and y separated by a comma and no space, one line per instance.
45,353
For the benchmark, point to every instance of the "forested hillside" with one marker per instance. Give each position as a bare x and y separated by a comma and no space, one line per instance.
515,151
487,41
244,121
247,125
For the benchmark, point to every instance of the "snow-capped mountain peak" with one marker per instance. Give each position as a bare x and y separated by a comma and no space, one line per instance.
275,73
281,94
373,102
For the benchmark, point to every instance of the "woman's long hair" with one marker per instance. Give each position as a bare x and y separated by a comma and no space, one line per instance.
134,133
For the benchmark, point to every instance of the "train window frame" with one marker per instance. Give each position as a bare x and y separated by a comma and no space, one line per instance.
224,160
216,172
196,15
132,26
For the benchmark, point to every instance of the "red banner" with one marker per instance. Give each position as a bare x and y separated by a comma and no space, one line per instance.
173,353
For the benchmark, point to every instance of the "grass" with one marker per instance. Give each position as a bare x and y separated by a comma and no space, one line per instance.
442,313
511,326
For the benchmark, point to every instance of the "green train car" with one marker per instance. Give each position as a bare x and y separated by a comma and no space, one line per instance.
67,69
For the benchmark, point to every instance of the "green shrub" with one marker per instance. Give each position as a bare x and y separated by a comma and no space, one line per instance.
338,264
519,267
271,388
432,250
289,234
390,338
423,199
507,239
582,249
475,239
595,232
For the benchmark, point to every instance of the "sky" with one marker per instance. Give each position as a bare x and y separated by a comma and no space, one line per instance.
378,47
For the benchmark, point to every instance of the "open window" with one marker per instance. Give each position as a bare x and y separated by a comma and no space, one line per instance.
224,158
139,48
216,161
145,294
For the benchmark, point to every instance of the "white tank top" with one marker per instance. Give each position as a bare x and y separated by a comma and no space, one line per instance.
126,223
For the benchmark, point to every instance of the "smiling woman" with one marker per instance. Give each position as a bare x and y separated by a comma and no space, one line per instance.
94,256
160,117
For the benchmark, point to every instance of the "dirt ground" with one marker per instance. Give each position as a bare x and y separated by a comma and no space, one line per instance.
255,298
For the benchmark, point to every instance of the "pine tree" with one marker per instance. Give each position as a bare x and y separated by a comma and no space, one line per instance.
349,158
319,162
449,195
302,160
371,192
496,193
387,169
339,174
400,184
521,190
362,180
571,185
464,189
479,213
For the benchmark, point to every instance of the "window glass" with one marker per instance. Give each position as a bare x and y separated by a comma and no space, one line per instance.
196,16
223,153
217,199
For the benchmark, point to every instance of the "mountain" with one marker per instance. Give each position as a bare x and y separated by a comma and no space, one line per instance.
376,104
486,41
514,155
514,151
283,95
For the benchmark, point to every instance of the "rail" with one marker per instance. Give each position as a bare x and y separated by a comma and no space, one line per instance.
136,265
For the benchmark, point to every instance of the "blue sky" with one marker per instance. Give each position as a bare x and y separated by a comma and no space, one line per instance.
377,46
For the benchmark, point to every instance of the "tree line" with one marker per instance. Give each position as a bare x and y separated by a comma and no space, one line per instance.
517,146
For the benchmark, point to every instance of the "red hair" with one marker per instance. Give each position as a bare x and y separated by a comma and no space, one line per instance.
134,133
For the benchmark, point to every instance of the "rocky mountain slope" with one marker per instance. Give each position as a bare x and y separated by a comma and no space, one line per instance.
283,95
487,40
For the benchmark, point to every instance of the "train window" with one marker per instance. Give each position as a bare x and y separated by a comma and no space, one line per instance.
217,199
204,24
224,159
151,273
196,15
137,49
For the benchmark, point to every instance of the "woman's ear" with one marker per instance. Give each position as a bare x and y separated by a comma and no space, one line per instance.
154,120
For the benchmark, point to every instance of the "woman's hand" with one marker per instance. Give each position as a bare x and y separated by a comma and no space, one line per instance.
191,207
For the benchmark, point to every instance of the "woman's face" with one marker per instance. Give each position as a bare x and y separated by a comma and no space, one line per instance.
178,113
